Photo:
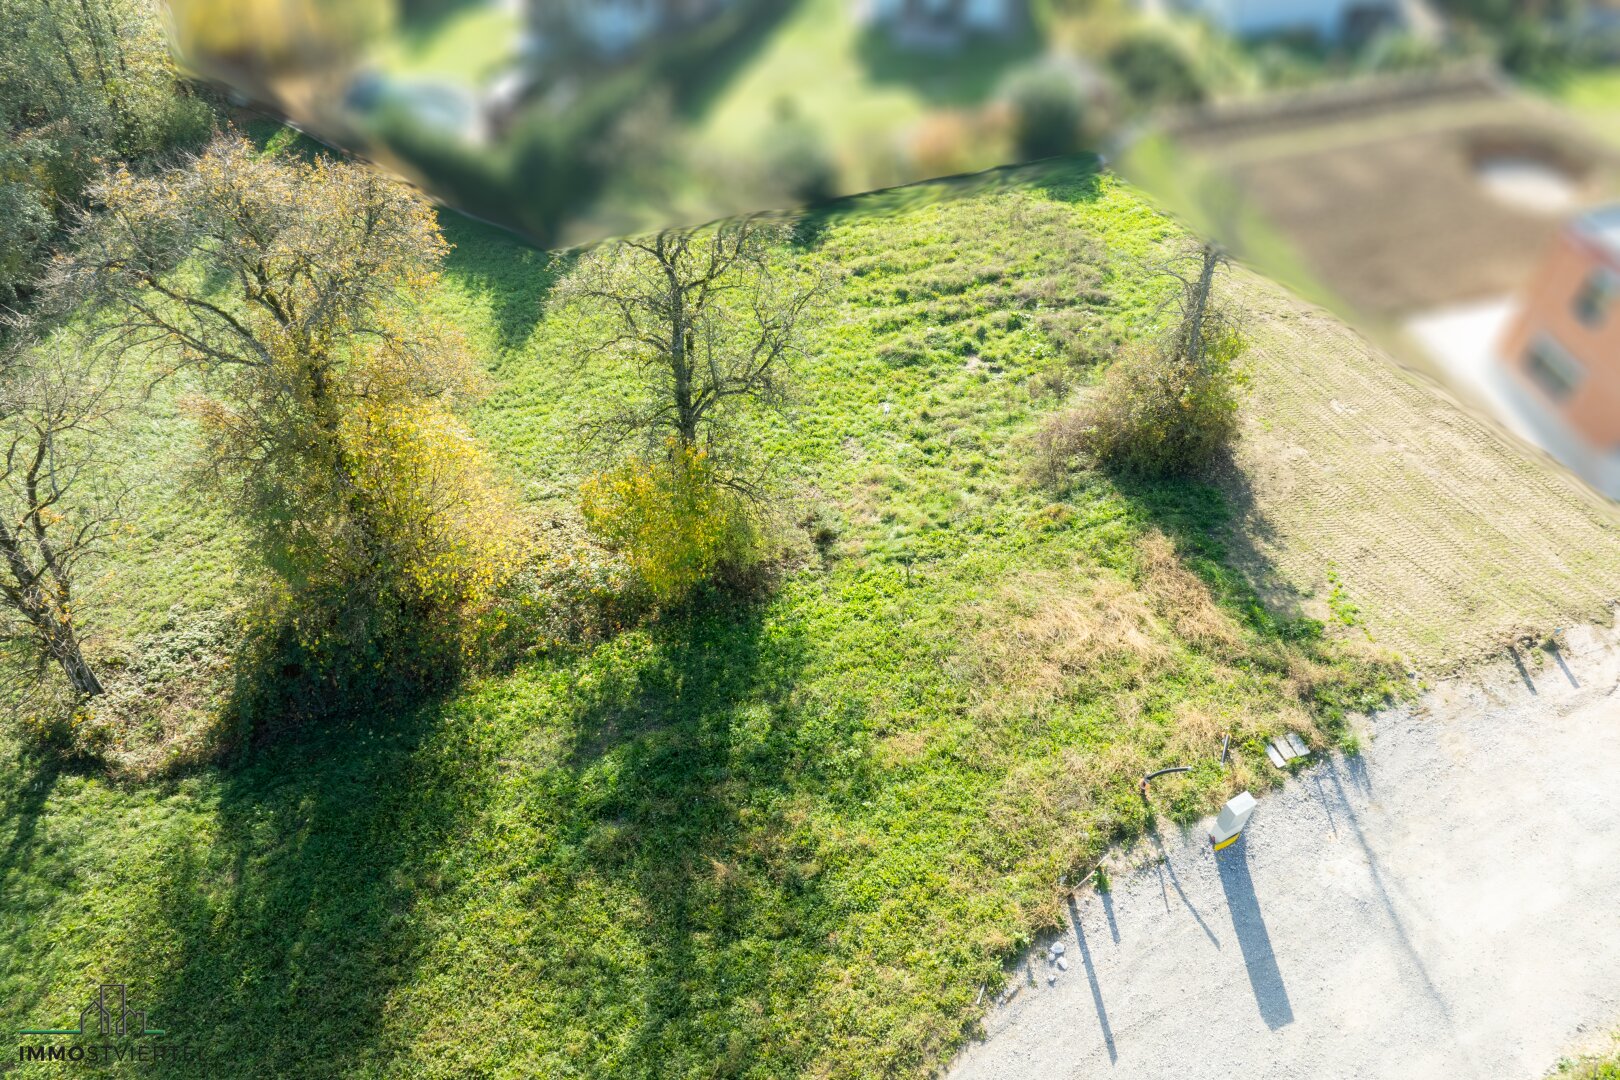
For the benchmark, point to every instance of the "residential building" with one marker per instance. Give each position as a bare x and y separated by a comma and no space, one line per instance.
942,21
613,28
1562,351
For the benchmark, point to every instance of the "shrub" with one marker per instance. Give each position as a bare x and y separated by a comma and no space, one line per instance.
943,143
1046,113
1529,48
1399,52
799,163
571,591
166,710
1154,71
1158,415
47,721
674,522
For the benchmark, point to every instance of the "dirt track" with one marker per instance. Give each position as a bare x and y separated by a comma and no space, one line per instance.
1447,538
1440,908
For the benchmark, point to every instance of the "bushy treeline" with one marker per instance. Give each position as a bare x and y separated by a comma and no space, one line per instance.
81,84
387,557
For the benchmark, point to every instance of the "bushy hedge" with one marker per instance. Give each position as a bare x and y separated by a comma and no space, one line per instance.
1157,414
1047,113
673,520
1155,71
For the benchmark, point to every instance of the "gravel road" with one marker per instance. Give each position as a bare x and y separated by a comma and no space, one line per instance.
1445,905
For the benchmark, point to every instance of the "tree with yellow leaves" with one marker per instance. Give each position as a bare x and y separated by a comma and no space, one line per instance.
709,321
329,420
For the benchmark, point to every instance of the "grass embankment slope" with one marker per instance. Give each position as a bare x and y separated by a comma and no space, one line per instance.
781,838
1368,498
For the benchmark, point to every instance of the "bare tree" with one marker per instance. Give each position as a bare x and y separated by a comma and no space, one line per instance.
52,514
1201,317
710,318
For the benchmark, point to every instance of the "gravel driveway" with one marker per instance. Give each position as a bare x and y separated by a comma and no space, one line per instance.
1446,905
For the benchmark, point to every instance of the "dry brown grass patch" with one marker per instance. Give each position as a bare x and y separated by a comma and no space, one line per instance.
1047,631
1183,598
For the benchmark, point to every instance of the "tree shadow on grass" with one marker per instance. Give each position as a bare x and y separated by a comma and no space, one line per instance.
277,937
692,756
28,789
1248,536
513,275
1220,535
276,931
271,938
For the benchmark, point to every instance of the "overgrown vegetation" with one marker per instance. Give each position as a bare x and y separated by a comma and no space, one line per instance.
1153,70
678,525
80,84
294,288
1169,405
591,793
765,833
1047,112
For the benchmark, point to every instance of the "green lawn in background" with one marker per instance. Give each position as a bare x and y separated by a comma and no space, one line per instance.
466,45
1592,94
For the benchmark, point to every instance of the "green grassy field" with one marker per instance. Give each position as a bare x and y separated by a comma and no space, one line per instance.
783,837
1593,95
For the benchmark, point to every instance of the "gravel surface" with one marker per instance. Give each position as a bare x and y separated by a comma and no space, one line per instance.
1445,905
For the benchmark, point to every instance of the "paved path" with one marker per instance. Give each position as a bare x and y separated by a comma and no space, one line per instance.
1447,906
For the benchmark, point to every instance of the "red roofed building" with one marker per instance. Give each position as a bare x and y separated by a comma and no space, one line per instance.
1562,352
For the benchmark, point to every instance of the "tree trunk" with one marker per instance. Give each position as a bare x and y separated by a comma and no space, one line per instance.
65,646
686,418
680,360
1200,304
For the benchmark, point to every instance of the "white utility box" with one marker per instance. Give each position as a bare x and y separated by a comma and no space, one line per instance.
1230,821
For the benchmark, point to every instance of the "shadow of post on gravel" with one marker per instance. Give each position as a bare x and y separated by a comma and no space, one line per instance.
1259,958
1091,977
